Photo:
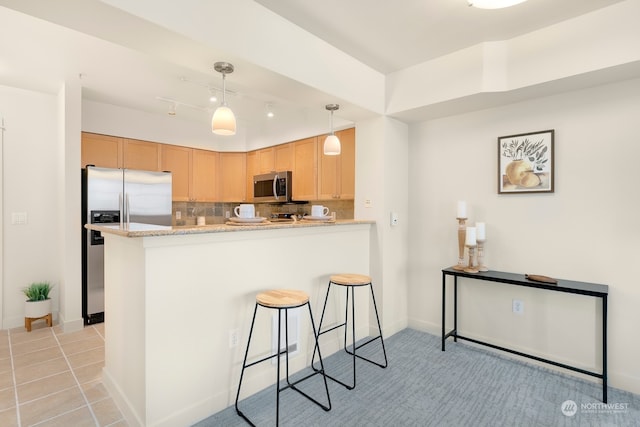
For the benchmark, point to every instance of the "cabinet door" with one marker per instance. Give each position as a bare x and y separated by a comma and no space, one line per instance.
336,174
178,160
283,157
347,163
204,176
252,169
101,150
233,177
266,159
327,172
141,155
305,169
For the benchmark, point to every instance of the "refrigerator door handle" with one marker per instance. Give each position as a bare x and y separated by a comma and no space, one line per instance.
121,209
127,207
275,187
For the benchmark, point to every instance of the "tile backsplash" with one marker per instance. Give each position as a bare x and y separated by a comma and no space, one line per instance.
215,213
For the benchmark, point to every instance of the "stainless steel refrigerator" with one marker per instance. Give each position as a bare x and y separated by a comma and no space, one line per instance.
116,197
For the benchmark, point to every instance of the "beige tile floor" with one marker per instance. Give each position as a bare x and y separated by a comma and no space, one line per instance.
51,378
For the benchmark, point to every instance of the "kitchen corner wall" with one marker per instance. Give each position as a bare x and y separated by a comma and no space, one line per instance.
585,230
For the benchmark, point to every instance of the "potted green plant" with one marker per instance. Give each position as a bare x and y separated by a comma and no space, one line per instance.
38,303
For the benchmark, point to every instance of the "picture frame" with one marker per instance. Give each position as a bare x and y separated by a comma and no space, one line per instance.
526,163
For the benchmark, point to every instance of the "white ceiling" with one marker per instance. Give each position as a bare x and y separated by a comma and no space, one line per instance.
124,59
393,35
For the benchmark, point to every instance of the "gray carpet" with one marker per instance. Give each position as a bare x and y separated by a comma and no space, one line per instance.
423,386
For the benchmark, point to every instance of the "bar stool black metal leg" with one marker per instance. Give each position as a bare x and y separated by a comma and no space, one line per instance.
384,351
316,371
278,368
244,365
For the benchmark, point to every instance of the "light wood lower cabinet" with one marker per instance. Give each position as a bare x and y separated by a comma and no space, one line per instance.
233,177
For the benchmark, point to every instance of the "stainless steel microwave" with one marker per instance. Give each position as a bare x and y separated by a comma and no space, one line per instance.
272,187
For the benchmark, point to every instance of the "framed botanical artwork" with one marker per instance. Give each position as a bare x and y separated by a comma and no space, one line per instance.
526,163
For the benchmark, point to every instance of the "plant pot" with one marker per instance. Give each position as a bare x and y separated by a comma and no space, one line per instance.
37,309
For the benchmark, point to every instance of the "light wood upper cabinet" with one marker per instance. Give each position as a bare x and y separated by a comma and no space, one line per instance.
252,169
193,171
101,150
336,174
233,177
266,160
204,177
283,157
178,161
142,155
305,161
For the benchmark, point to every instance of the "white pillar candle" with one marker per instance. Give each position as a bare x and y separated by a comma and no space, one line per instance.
462,209
480,231
471,236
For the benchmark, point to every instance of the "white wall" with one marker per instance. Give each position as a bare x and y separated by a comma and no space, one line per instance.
381,179
31,186
583,231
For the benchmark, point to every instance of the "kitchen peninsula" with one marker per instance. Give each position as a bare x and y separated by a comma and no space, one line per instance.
179,300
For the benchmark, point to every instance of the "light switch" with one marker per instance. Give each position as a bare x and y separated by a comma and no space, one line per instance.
394,218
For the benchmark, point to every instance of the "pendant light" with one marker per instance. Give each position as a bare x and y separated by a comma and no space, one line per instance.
223,121
332,143
493,4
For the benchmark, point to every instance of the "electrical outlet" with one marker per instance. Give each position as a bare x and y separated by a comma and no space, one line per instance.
234,338
178,214
227,214
517,306
367,203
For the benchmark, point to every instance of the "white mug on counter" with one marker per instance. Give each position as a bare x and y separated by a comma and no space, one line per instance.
319,210
245,211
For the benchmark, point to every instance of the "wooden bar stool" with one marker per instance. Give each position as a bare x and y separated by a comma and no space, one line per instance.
283,299
350,282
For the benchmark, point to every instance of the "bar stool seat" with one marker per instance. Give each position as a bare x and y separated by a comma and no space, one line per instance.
350,281
283,299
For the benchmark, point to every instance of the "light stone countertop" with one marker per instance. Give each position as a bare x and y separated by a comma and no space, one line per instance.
147,230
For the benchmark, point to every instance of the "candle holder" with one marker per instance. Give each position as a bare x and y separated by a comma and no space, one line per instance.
462,233
471,268
481,266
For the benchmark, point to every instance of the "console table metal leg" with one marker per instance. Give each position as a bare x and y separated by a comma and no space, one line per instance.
455,308
604,349
443,307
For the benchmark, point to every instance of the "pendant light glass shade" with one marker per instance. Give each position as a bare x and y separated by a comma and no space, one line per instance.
493,4
331,146
223,121
331,143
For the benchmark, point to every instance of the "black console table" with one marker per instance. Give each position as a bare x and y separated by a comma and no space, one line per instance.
568,286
